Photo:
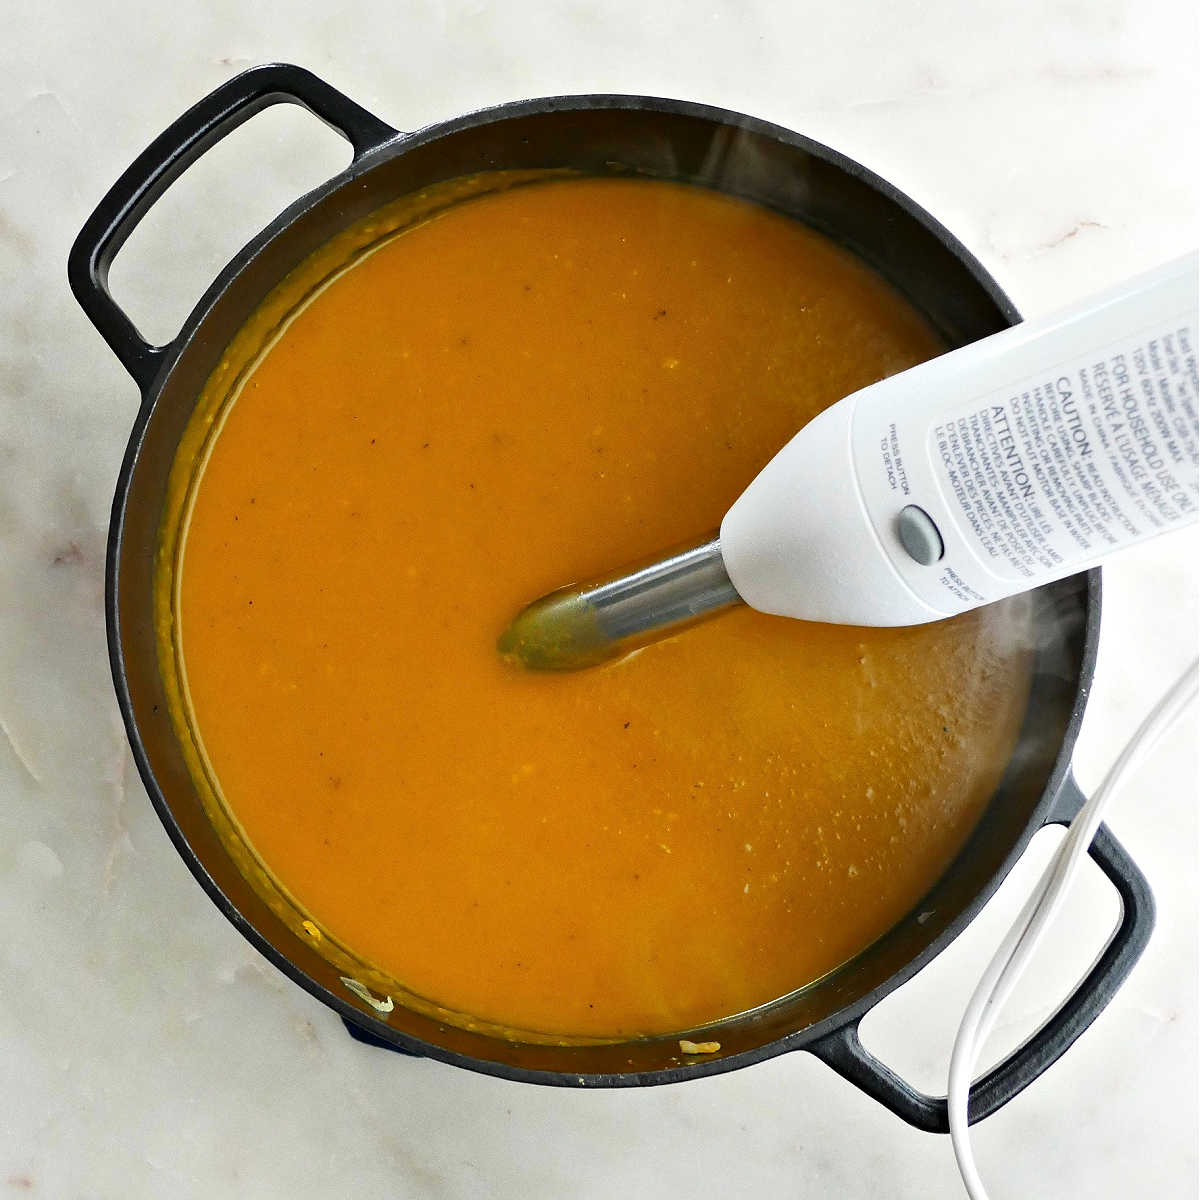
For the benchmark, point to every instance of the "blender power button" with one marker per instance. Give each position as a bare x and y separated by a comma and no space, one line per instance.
919,535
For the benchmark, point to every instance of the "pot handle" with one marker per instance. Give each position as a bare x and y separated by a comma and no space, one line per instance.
844,1052
166,158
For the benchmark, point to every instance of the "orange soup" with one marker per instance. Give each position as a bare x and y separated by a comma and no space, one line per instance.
531,386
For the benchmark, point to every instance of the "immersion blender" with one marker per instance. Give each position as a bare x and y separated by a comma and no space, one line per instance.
1001,466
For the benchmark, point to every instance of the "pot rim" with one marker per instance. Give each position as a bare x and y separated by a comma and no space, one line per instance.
400,144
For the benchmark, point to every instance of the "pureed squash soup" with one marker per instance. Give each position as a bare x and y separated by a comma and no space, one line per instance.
532,385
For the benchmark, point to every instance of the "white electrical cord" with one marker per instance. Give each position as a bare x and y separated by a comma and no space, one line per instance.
1018,945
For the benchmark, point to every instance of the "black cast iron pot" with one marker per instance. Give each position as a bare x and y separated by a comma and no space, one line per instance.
665,138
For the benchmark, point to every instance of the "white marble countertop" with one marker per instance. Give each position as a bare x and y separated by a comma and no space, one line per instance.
145,1049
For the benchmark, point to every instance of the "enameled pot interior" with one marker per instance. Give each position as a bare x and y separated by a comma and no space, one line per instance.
598,136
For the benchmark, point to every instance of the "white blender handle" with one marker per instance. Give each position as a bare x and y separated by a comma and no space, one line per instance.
1006,464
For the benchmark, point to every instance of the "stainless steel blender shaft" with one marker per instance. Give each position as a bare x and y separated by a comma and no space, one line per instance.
586,624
